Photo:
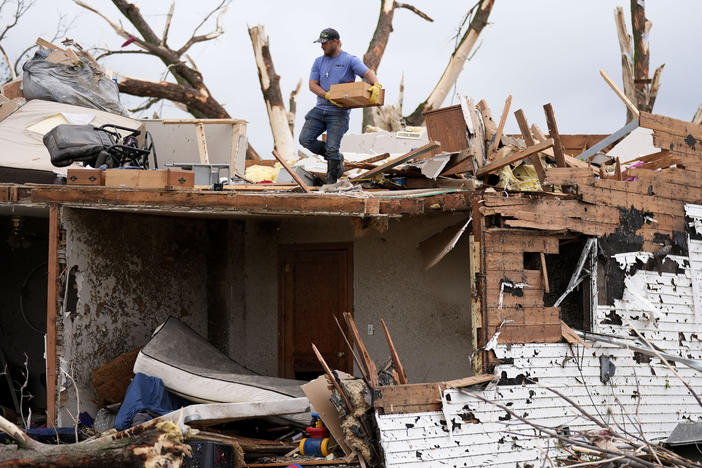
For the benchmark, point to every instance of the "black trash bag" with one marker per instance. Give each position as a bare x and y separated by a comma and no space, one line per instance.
80,85
69,143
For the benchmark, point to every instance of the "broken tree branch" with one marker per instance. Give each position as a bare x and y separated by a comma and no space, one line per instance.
457,61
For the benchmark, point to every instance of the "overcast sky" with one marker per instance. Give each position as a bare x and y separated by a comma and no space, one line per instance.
537,50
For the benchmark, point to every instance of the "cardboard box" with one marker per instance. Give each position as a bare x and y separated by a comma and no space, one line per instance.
353,95
87,176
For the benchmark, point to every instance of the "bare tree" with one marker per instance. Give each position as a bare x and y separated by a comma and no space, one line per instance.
477,19
6,7
189,88
379,42
638,88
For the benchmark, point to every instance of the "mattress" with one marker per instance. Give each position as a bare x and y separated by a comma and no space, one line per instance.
194,369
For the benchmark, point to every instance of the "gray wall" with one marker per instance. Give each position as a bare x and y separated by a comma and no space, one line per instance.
133,271
427,312
220,277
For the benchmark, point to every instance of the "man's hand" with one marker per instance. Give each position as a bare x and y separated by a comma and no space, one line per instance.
326,96
375,92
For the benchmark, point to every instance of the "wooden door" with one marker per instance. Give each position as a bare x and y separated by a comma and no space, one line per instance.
315,284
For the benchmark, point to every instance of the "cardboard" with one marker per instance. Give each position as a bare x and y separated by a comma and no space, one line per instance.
318,393
353,95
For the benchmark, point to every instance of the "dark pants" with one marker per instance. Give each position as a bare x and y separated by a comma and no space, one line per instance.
334,121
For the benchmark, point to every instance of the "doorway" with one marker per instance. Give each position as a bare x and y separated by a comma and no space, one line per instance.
315,285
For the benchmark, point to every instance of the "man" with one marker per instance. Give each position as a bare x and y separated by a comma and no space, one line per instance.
335,66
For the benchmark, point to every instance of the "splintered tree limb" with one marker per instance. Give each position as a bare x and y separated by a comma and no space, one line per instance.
292,106
379,42
199,104
458,59
155,443
270,87
625,48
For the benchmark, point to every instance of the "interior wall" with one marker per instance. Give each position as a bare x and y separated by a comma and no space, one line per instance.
427,312
23,280
131,272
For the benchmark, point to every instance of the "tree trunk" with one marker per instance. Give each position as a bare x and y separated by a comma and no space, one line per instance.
455,65
376,49
377,46
640,28
270,87
155,443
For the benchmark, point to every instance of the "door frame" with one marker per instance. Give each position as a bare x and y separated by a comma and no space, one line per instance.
285,326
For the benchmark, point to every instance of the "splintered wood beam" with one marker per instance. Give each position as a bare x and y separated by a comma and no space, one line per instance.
529,140
618,170
292,173
402,377
514,157
332,379
555,136
501,125
368,363
52,315
353,353
397,161
632,108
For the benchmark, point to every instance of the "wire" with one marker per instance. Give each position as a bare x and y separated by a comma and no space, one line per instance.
21,298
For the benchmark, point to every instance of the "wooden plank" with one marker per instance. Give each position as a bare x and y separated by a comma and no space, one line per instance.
237,155
397,365
514,157
554,135
397,161
51,315
613,138
47,45
632,108
468,381
569,176
292,173
686,145
201,143
369,364
529,140
544,333
617,198
504,261
519,241
529,298
501,125
672,176
332,379
388,396
531,277
670,125
524,316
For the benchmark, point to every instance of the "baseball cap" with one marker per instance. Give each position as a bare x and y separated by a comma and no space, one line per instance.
327,35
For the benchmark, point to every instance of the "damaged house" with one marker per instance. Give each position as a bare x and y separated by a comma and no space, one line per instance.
541,301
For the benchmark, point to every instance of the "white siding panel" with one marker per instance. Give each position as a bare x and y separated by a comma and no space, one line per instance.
664,307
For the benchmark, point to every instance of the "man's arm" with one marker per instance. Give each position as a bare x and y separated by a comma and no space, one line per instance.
316,89
370,77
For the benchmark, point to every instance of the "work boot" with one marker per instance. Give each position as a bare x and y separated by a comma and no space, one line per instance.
335,169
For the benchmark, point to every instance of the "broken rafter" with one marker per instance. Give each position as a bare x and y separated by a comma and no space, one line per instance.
514,157
397,365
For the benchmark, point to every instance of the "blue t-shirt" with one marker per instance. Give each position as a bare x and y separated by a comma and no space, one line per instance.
341,69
